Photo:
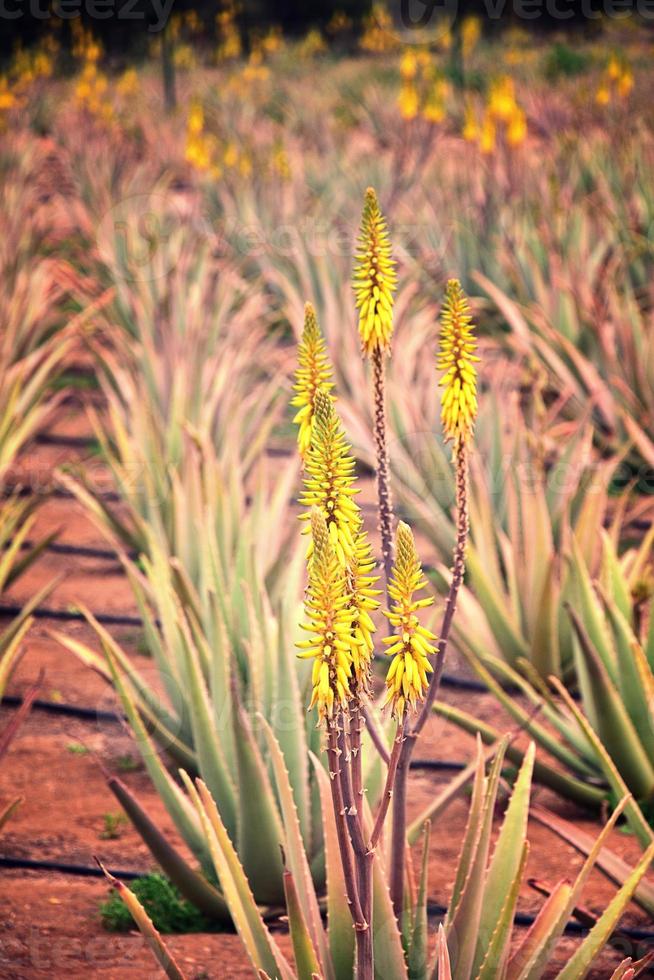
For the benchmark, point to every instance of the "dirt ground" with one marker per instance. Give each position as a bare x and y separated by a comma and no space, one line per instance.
49,922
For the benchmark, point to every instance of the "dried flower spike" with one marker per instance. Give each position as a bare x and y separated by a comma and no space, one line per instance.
411,644
329,478
313,372
374,279
329,623
457,360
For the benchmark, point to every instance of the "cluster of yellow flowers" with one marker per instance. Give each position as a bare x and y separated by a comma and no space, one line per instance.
311,45
128,84
27,67
503,116
85,46
410,644
457,359
340,558
205,153
616,83
201,147
341,593
92,86
379,36
313,374
8,101
229,37
424,91
375,280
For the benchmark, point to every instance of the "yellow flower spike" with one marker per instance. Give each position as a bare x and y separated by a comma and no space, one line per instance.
361,602
516,131
375,280
408,101
410,644
457,359
625,83
329,478
313,372
329,623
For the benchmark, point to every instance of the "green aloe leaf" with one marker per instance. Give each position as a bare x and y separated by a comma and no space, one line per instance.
607,861
259,943
633,813
296,859
537,939
590,611
495,956
258,840
464,921
306,961
153,939
7,812
442,967
206,739
174,799
636,696
608,715
508,638
577,966
574,789
506,865
192,884
419,948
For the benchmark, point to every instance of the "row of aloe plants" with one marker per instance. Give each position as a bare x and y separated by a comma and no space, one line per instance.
214,653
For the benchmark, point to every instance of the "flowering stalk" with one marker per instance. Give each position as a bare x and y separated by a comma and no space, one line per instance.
313,372
374,284
329,478
458,413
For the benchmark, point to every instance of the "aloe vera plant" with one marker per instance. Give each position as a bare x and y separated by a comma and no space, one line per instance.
605,742
16,522
477,939
177,382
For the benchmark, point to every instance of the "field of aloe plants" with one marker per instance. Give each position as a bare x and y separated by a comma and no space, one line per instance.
327,521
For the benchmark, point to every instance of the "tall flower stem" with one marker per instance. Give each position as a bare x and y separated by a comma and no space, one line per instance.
345,849
398,841
363,858
381,453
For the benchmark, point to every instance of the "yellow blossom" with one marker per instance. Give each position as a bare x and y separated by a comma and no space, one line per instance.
501,100
329,478
603,95
329,621
361,601
516,131
374,279
470,34
313,373
625,83
410,644
408,101
457,359
408,64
